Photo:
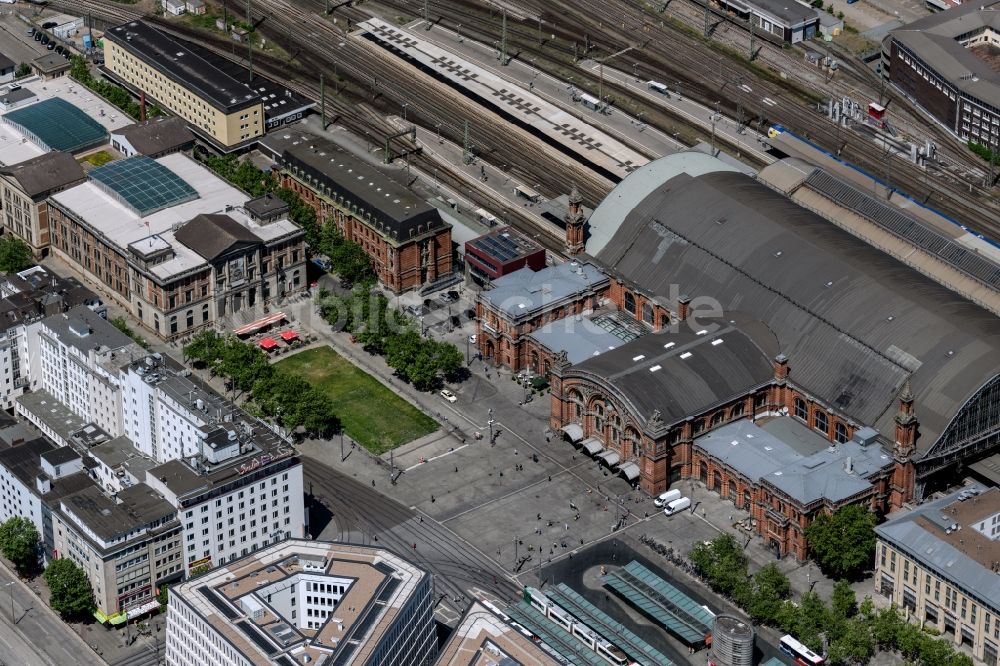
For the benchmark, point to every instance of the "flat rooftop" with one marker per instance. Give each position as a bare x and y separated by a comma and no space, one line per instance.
120,453
136,507
505,244
967,556
581,337
233,599
52,413
525,292
482,638
175,60
107,211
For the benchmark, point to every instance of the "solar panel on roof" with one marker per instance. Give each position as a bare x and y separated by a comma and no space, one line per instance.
906,227
58,125
143,184
390,586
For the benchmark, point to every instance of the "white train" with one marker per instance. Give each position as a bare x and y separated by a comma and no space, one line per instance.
559,615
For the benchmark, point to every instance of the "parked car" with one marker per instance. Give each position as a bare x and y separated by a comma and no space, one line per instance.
31,31
472,339
45,39
48,25
448,395
51,46
60,49
448,298
38,36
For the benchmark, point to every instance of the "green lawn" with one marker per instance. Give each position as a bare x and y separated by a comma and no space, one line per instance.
371,413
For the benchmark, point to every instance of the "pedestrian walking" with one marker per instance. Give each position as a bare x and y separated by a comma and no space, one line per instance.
373,483
456,469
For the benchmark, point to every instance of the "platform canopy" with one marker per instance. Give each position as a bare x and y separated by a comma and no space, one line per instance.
592,445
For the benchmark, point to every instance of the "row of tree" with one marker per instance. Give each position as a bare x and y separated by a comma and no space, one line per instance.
365,313
347,258
116,95
71,594
281,396
847,632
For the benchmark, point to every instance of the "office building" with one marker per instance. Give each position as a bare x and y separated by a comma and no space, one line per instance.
482,637
128,544
945,62
501,252
225,112
25,188
298,602
941,562
175,245
408,242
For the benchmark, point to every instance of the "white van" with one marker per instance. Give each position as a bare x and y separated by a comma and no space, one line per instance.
667,497
677,506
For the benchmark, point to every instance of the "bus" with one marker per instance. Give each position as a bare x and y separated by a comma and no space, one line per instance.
799,652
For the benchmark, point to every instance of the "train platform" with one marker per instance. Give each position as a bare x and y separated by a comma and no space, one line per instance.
606,154
743,139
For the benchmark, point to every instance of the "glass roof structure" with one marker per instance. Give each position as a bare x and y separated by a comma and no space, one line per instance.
556,637
55,124
143,184
677,612
612,630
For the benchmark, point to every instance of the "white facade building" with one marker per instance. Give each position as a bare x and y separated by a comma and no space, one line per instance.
80,354
305,602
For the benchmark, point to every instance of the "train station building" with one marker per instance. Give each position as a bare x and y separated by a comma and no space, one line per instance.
839,373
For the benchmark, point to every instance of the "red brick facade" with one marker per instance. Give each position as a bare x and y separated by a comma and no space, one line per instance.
666,453
399,265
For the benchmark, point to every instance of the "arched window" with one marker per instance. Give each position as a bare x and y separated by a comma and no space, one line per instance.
664,320
630,303
840,432
736,411
801,409
759,400
821,422
675,436
718,418
647,313
636,449
699,425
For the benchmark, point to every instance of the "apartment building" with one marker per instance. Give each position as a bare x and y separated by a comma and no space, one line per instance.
305,602
34,476
407,240
127,544
25,299
941,562
24,192
221,110
80,355
199,252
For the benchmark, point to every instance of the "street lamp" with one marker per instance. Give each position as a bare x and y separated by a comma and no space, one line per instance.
490,423
11,590
405,104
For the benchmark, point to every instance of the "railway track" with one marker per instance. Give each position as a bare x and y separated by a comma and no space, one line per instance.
367,116
708,76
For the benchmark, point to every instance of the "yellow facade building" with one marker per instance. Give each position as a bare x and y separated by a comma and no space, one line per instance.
220,109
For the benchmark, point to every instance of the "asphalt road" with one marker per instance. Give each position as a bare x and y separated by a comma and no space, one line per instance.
37,635
342,508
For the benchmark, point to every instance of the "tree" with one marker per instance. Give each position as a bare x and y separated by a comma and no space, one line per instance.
72,596
723,564
855,644
19,542
768,590
15,254
80,70
122,325
22,70
205,348
843,543
163,597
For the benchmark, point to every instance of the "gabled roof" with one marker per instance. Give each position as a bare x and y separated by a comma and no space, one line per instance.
45,173
854,322
214,235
